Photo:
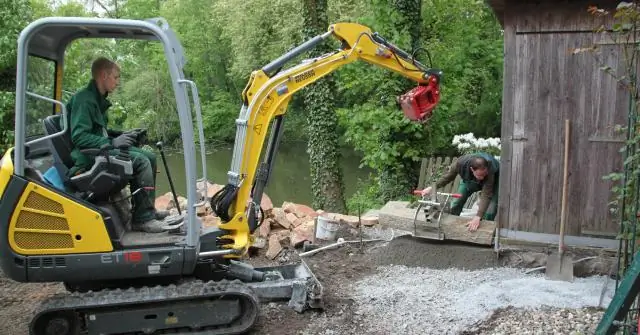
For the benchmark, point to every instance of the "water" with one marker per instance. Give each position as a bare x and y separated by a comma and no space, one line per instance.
290,178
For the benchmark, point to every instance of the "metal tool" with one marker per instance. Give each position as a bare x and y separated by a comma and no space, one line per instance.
433,214
160,147
560,266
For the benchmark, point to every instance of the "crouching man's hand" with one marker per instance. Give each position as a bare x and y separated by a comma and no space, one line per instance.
474,223
426,191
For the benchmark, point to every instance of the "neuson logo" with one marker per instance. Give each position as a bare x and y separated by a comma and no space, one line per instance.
304,76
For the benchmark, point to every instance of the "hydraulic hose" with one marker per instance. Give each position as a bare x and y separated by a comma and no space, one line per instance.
222,200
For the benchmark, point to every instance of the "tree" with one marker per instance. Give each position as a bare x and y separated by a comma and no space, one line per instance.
322,146
14,16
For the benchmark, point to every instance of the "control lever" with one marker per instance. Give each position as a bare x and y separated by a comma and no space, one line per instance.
160,147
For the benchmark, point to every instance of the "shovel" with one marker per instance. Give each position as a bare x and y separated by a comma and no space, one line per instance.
560,266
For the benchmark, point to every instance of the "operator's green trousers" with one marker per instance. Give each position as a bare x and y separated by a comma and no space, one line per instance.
466,189
144,176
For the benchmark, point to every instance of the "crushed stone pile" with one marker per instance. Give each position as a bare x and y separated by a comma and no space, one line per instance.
413,300
541,321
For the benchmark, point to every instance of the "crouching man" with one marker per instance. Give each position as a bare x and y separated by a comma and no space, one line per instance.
478,172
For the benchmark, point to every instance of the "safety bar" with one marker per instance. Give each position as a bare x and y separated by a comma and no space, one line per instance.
203,154
64,119
453,195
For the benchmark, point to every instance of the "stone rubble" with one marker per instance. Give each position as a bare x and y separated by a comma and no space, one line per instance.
286,227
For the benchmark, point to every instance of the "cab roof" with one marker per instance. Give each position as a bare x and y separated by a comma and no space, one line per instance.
49,37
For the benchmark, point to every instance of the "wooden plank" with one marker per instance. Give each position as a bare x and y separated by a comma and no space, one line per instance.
444,167
525,74
608,109
508,101
396,214
552,16
454,228
430,171
423,172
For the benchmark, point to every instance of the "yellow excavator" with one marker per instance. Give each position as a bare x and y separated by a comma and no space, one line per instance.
192,281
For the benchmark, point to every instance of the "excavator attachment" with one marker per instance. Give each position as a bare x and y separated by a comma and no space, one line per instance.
419,103
295,283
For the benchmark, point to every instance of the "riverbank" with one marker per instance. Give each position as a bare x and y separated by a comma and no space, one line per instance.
289,179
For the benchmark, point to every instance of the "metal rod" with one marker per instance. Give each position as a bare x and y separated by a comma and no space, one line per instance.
280,61
217,253
160,147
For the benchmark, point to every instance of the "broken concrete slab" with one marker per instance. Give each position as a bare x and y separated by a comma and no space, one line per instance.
274,247
397,215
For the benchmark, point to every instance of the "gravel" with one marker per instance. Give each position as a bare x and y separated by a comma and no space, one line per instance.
545,320
413,300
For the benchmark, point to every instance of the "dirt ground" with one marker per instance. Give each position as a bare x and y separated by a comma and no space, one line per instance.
334,268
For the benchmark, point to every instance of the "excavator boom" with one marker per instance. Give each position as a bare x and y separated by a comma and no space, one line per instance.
265,100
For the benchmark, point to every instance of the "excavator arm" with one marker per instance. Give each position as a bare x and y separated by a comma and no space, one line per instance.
265,101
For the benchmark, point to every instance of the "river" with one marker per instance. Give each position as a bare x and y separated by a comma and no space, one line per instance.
290,179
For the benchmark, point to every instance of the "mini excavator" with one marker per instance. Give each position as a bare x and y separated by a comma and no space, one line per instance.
120,281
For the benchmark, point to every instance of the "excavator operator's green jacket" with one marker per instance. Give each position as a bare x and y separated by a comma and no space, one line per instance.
87,112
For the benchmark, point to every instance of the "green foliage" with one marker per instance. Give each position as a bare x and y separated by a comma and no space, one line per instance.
463,39
221,110
14,16
7,102
366,197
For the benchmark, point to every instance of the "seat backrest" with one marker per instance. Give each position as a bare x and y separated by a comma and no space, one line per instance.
61,146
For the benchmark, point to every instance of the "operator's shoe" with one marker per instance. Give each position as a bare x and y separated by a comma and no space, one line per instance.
160,215
150,226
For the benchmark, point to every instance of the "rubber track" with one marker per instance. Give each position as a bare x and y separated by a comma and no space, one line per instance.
198,290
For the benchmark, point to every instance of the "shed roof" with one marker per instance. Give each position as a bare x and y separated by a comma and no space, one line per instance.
498,8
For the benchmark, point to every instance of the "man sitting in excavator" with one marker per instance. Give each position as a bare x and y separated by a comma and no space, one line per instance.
88,129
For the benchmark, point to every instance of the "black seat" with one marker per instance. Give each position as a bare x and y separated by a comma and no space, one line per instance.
108,175
60,146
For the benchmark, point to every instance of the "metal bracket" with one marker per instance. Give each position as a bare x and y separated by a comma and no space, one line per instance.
518,138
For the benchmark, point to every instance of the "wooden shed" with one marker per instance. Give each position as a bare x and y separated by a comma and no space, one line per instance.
544,84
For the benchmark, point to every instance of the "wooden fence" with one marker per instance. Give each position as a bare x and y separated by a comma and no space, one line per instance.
432,168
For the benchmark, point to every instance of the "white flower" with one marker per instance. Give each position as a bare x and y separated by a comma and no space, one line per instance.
456,140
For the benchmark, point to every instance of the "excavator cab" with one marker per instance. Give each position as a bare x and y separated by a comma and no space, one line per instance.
73,228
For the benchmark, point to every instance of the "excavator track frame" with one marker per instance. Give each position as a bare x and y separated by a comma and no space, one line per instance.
193,307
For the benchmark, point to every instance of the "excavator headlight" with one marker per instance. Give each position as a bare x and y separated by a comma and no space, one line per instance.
419,103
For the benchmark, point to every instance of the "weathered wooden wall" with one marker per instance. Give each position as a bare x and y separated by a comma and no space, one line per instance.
544,84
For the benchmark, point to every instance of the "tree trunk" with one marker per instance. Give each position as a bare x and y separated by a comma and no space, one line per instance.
400,177
319,105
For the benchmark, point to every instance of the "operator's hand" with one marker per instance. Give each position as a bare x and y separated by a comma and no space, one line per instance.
474,223
124,140
426,191
134,131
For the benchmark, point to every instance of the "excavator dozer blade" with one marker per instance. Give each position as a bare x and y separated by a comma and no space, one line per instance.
294,282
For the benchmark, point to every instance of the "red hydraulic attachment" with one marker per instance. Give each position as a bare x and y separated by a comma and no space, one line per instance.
419,103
